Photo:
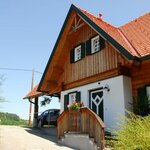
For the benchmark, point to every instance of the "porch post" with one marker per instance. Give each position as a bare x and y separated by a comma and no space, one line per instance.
35,118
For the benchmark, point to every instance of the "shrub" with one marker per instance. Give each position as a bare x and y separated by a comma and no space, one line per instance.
133,135
141,106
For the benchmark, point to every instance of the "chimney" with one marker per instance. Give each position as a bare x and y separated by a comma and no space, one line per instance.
100,16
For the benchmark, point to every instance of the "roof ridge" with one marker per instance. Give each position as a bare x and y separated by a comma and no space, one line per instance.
128,42
85,11
135,19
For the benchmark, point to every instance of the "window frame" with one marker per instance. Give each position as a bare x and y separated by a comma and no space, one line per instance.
76,53
71,93
67,100
97,37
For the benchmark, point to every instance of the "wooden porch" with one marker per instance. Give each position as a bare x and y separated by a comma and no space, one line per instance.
83,121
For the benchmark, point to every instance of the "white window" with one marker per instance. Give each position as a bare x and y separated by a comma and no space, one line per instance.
95,44
72,97
78,53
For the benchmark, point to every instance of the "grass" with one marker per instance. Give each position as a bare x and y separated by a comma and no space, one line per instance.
11,119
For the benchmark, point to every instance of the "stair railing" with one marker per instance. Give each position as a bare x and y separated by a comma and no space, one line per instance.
83,121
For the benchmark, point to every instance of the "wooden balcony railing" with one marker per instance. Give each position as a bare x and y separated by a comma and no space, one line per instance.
83,121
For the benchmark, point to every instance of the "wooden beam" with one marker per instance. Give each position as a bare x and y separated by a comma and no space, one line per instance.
94,78
35,119
36,108
58,70
76,24
51,84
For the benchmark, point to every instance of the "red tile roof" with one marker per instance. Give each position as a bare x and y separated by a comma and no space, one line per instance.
134,36
33,93
138,34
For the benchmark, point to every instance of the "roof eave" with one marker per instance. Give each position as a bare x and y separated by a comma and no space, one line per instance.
145,58
34,95
54,49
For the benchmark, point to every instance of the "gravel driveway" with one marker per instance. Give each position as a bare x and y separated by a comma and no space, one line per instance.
21,138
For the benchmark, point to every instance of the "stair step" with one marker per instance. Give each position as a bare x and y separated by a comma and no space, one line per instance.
76,135
92,139
79,141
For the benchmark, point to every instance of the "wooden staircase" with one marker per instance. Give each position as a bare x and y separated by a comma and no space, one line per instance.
81,129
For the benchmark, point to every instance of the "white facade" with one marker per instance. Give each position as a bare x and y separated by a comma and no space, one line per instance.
115,101
148,91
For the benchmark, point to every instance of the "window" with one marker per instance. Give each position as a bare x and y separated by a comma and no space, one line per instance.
72,97
95,44
45,113
78,53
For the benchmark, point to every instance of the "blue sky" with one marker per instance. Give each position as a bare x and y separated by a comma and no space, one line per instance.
28,32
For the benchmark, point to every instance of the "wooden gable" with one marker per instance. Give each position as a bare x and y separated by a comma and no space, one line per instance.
63,75
105,60
114,59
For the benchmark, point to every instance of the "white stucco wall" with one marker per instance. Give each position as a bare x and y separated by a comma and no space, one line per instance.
127,95
148,90
115,101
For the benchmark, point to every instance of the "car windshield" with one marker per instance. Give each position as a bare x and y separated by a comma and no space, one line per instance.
45,113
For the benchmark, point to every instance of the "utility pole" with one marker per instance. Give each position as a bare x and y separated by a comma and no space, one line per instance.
30,109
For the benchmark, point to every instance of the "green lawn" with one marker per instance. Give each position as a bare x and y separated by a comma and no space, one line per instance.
11,119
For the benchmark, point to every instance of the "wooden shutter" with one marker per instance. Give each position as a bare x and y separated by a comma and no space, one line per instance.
72,59
66,101
102,43
88,47
78,97
82,50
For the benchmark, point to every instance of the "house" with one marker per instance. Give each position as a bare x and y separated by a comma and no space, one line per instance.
99,64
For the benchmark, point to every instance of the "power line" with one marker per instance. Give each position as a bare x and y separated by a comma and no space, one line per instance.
20,69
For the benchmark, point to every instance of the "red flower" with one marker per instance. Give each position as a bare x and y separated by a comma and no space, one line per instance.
82,104
75,105
74,102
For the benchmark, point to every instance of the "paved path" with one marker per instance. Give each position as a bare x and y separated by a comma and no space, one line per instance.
20,138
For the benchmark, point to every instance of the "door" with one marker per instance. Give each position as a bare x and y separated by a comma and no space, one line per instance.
96,101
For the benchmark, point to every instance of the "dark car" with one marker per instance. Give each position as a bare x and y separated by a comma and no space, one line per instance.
48,117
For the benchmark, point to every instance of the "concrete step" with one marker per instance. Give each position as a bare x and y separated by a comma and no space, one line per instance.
78,141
